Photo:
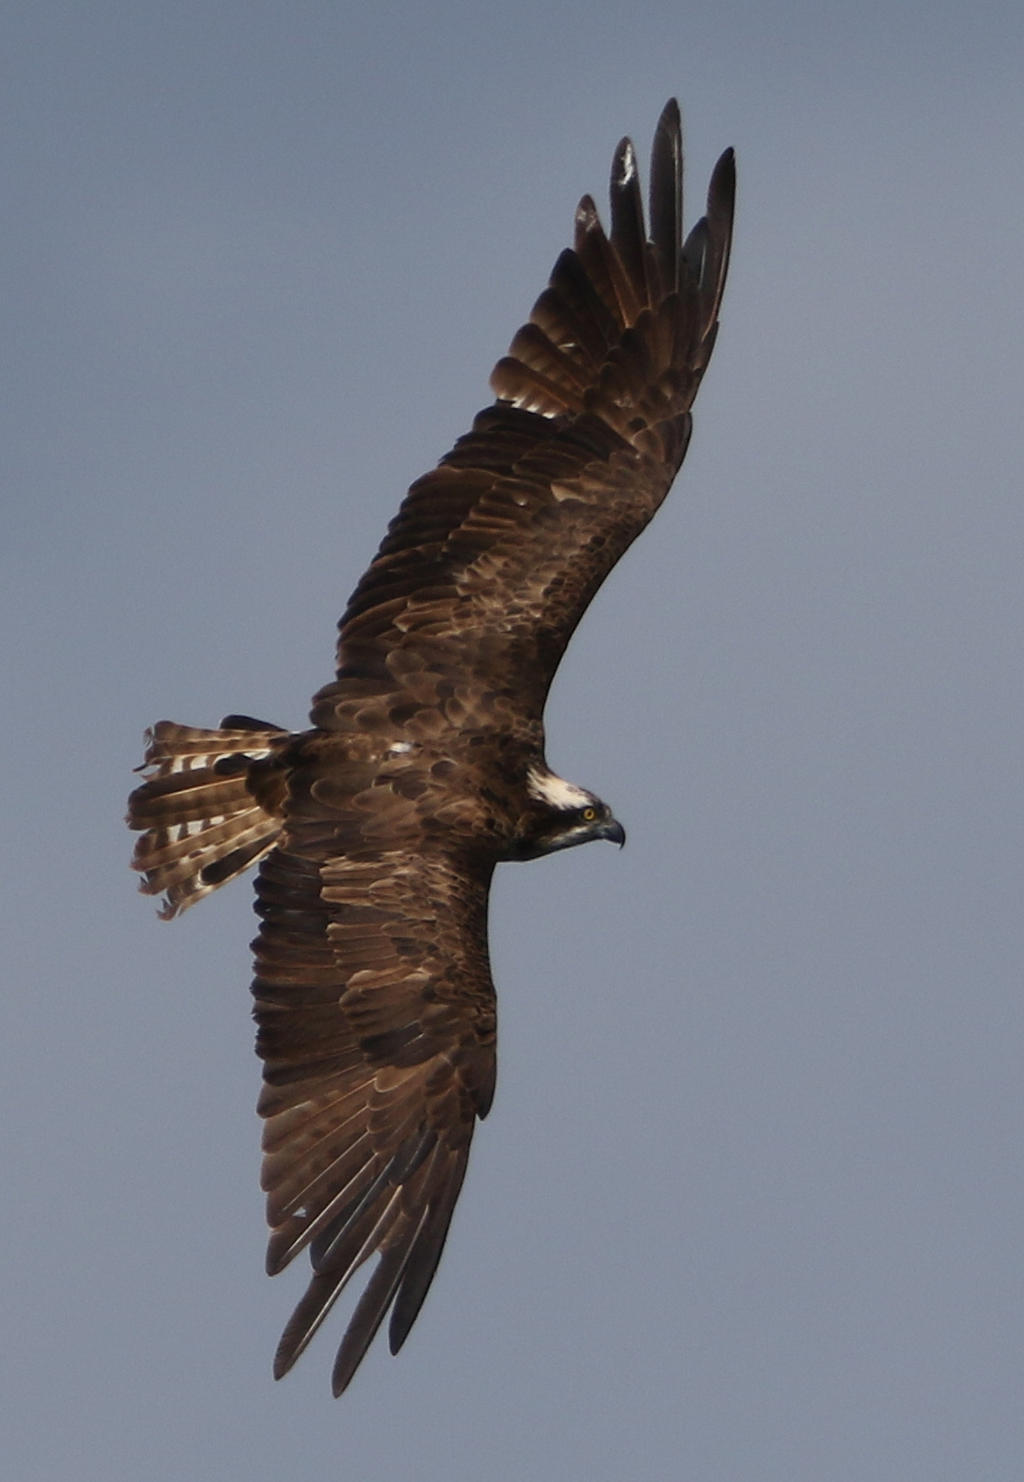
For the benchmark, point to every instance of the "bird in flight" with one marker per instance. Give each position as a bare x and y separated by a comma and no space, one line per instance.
377,830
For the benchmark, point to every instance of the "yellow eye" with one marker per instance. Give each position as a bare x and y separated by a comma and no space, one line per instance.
589,814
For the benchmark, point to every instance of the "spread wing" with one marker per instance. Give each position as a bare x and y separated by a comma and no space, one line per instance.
373,992
376,1025
497,552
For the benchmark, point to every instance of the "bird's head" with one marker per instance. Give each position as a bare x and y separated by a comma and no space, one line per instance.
560,815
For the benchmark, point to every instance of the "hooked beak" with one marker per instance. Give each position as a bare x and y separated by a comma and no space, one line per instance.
613,832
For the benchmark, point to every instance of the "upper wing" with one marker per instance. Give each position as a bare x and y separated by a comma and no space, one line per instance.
376,1025
499,550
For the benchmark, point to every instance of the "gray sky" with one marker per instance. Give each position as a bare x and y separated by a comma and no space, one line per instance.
749,1204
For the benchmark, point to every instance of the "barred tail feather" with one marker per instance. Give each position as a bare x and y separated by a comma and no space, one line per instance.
202,824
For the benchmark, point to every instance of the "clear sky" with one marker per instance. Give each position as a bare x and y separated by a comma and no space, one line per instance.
750,1201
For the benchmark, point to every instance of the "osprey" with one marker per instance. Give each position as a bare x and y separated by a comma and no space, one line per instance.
378,829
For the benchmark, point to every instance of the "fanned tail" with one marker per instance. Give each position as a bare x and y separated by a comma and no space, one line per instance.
209,807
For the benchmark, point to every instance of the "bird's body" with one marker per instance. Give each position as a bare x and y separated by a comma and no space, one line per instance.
379,828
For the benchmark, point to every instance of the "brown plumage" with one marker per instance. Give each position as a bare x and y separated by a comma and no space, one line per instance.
379,828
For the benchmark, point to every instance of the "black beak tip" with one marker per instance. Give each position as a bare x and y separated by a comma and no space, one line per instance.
616,833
